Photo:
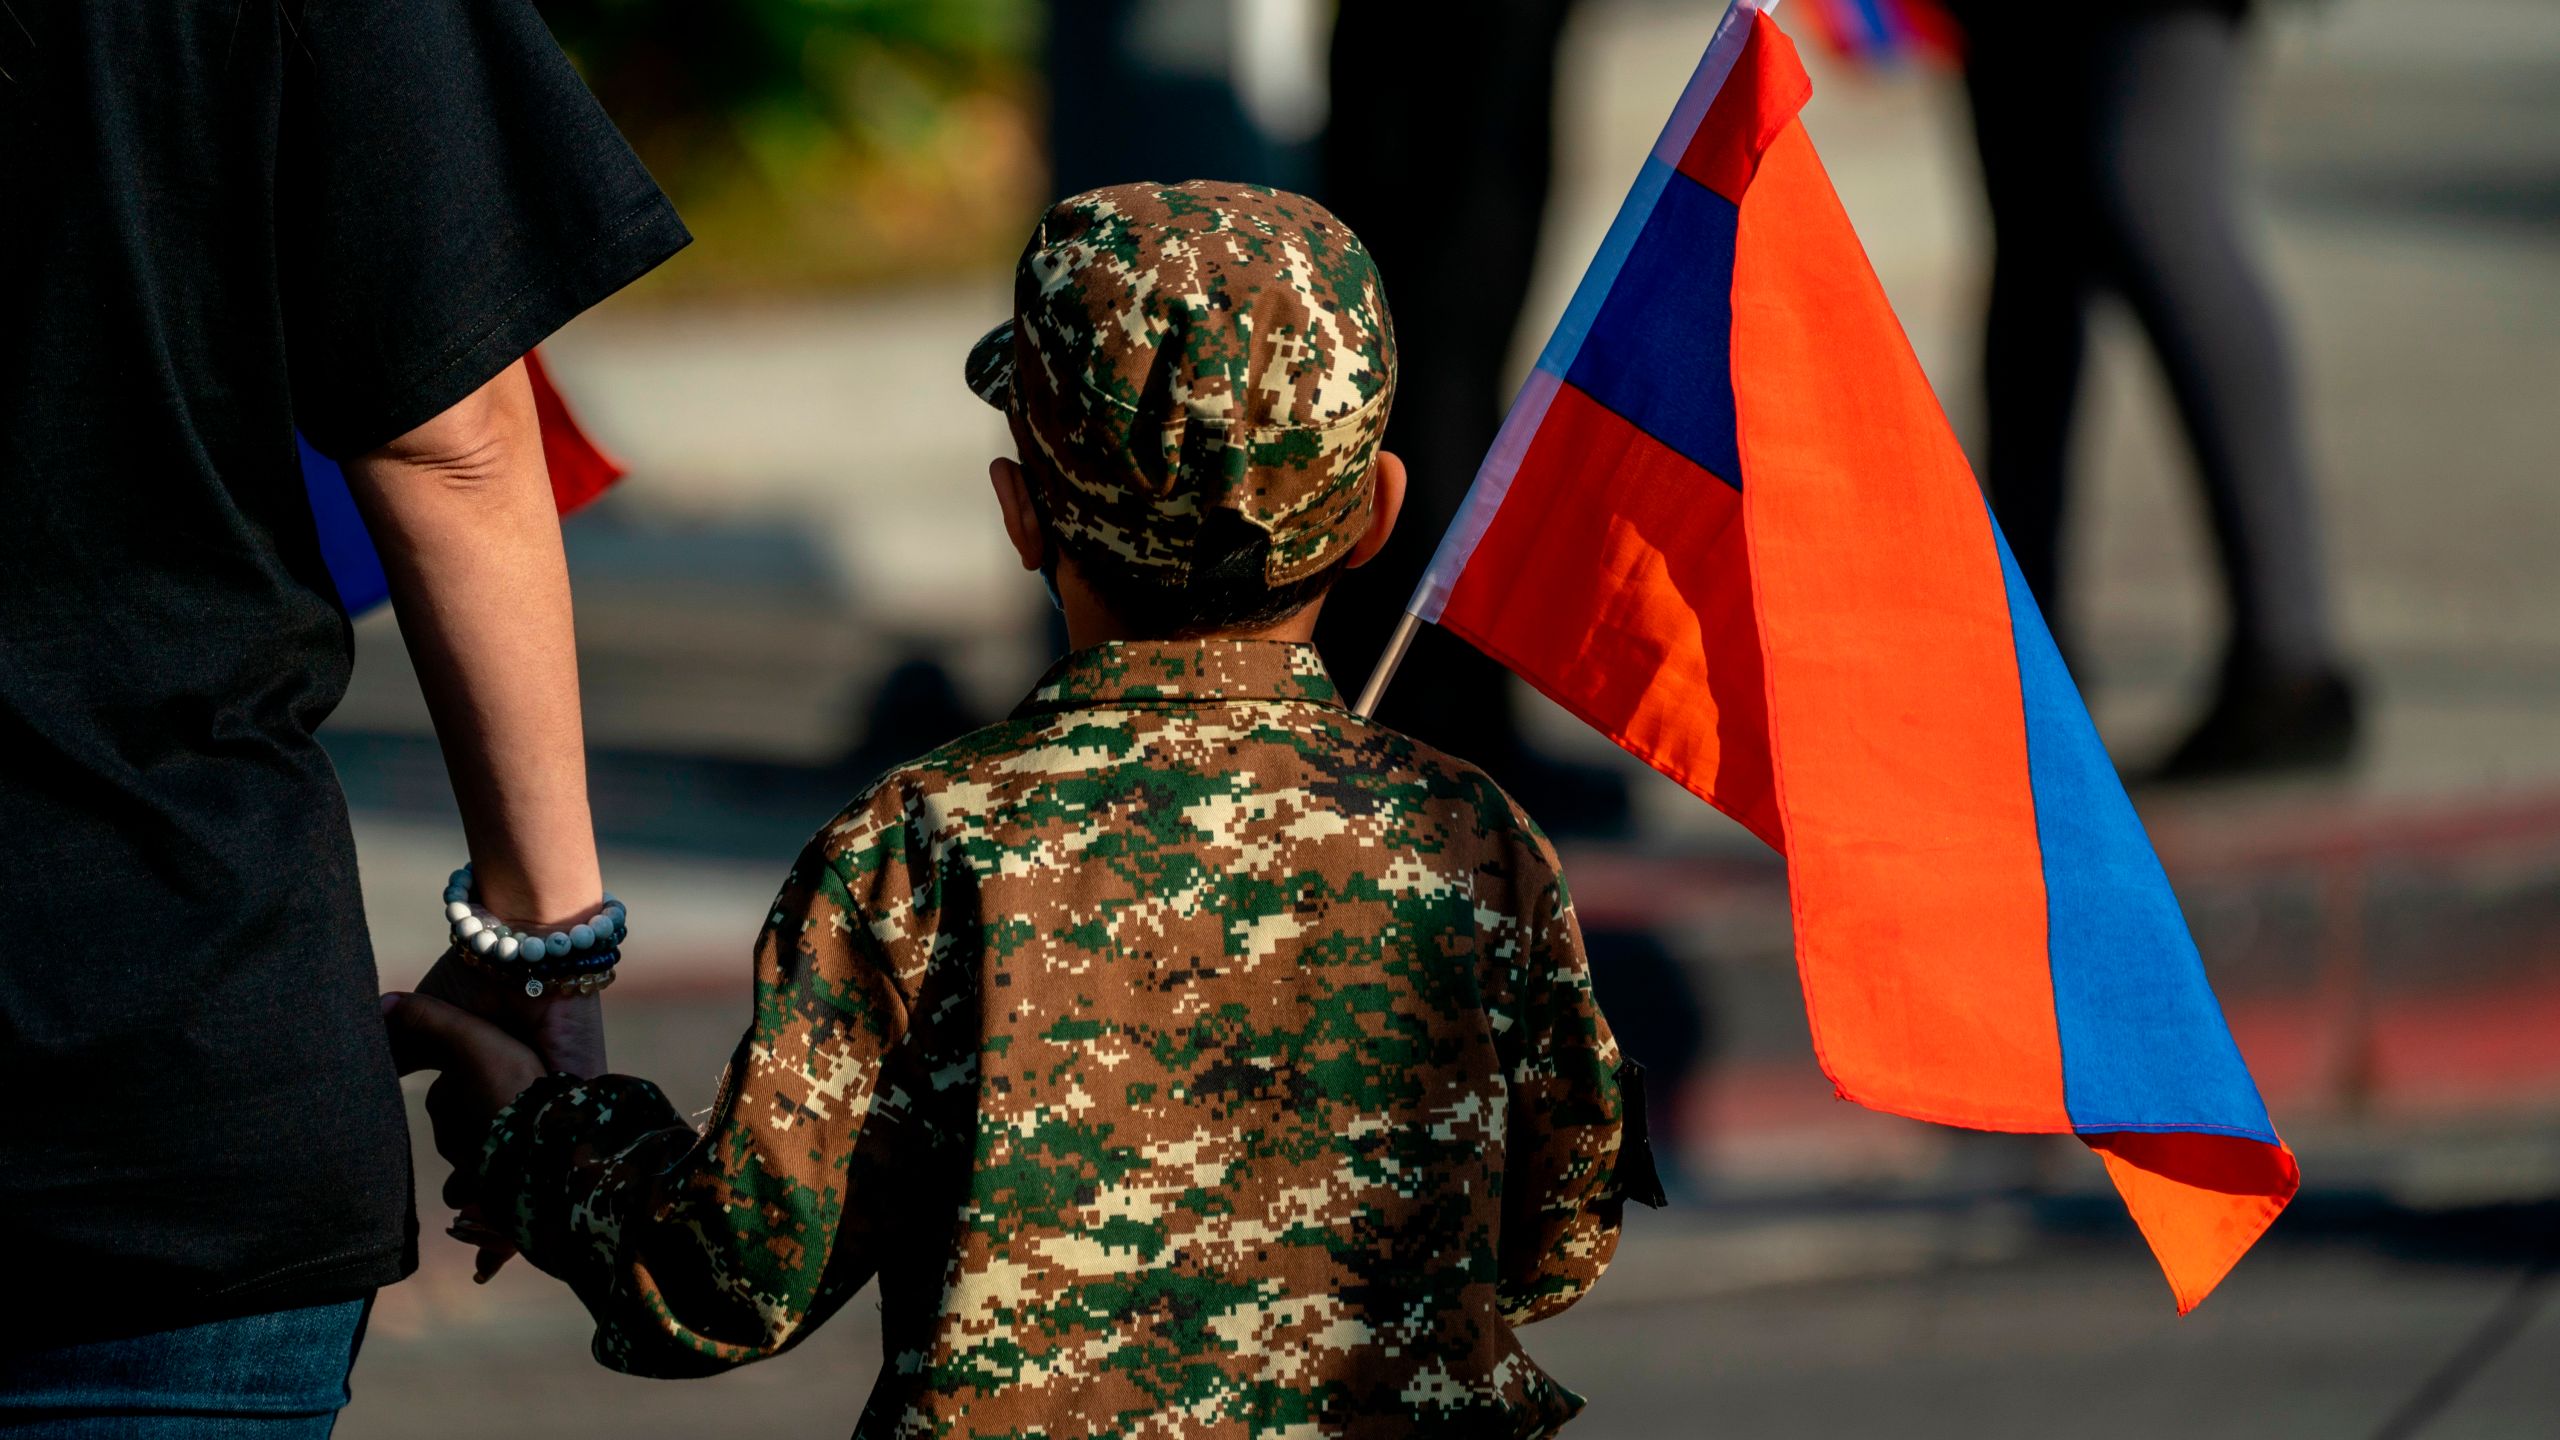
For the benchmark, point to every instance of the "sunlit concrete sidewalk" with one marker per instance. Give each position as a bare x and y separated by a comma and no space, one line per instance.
808,502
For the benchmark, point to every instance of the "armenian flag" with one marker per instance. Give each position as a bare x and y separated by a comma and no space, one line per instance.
1882,33
1727,524
580,471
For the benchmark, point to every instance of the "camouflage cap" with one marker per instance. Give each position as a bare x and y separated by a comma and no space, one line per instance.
1176,350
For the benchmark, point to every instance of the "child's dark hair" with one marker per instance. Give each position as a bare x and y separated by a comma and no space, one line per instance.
1225,590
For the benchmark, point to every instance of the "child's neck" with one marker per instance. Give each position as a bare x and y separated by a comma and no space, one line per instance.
1088,624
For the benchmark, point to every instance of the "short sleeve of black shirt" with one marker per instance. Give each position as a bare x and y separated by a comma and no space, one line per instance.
221,221
448,194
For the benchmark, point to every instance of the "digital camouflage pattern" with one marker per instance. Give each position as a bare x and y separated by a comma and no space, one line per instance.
1186,1056
1180,349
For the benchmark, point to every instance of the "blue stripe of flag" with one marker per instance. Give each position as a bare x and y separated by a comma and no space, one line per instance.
1659,352
1598,280
2144,1046
1877,31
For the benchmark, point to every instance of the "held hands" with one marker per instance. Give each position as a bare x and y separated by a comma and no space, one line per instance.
484,1069
491,1039
566,1031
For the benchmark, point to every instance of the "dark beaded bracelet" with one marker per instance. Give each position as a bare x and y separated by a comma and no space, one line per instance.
569,966
582,974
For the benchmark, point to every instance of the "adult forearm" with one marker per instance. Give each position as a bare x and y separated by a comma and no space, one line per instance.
462,513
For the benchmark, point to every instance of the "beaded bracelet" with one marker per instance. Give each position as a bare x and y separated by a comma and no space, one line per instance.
569,956
579,975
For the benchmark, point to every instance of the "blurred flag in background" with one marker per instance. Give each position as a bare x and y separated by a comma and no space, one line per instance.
580,471
1885,32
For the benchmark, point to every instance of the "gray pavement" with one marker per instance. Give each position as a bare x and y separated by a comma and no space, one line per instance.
2077,1341
2009,1297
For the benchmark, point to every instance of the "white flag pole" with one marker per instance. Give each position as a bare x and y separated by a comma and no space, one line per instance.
1388,660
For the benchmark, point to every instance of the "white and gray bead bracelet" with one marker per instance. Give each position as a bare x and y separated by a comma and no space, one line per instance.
491,940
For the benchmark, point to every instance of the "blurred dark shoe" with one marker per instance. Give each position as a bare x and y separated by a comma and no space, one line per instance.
2260,725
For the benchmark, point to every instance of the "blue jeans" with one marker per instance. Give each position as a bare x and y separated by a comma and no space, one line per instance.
277,1376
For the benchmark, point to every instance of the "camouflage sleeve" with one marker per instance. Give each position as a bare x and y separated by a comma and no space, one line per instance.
697,1251
1561,1191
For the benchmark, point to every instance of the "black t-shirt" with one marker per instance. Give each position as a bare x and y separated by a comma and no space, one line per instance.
220,221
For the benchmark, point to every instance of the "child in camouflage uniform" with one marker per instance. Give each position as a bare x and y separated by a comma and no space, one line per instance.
1186,1056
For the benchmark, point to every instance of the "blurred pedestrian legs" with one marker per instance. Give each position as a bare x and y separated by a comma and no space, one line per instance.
1444,168
2108,140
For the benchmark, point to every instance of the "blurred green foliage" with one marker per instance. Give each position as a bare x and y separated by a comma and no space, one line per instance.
769,119
776,74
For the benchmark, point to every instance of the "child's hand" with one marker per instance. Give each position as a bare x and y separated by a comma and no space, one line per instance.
485,1069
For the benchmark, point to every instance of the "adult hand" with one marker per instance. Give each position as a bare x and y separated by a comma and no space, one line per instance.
484,1070
567,1032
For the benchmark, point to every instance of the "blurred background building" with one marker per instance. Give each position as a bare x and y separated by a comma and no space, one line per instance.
803,580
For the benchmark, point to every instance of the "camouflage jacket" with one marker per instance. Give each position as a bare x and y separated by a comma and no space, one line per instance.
1186,1057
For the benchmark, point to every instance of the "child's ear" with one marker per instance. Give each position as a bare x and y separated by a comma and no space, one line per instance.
1386,502
1021,521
